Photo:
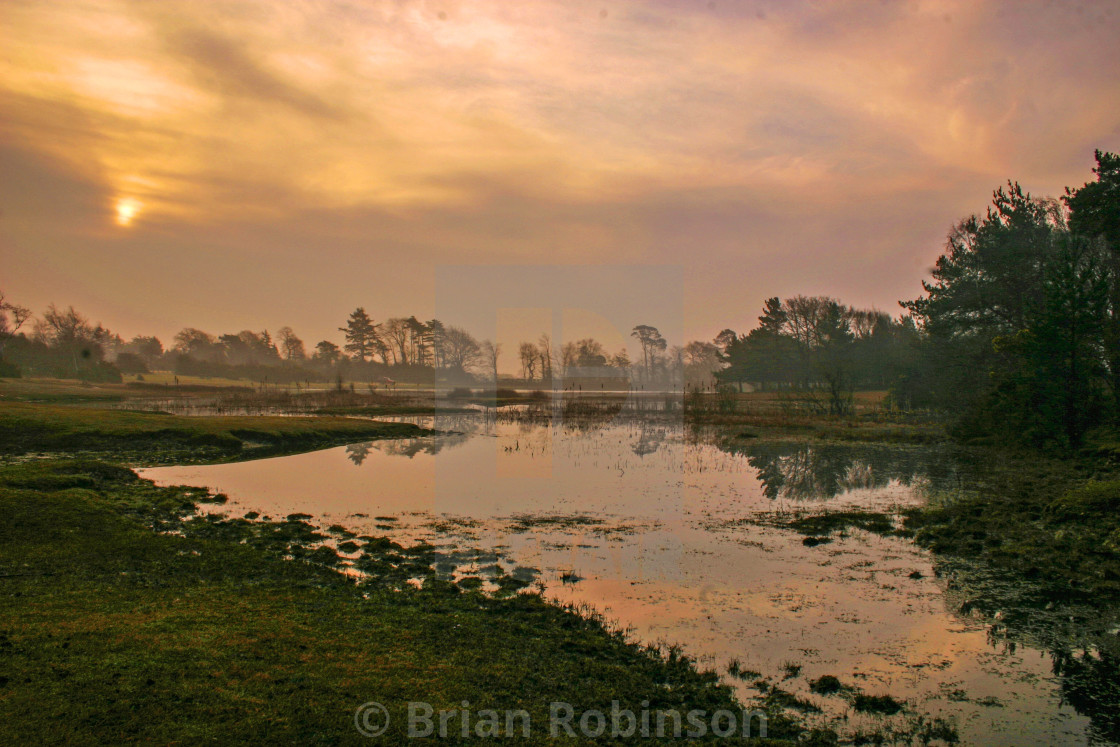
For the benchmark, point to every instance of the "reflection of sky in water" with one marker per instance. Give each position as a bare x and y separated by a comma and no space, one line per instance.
658,526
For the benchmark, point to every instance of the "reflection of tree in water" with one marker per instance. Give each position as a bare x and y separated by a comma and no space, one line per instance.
588,413
649,440
459,422
406,447
1091,683
357,453
410,447
1078,634
803,471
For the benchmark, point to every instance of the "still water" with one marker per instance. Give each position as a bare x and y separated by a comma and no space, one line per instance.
668,535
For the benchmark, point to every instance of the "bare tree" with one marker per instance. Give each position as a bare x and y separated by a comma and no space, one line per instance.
701,360
72,335
460,350
544,353
527,351
569,354
396,333
490,353
291,347
12,317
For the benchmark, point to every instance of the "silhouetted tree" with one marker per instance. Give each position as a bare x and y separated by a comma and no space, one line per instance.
77,346
651,343
544,355
361,335
461,350
701,360
490,353
527,353
433,340
12,317
196,343
396,334
1094,213
1017,320
291,347
148,349
326,353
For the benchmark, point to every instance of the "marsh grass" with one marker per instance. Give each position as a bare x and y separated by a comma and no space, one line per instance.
26,427
165,625
1056,523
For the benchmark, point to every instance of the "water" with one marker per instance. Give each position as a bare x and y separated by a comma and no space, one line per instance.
667,534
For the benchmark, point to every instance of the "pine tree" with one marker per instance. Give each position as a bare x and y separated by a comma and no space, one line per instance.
361,335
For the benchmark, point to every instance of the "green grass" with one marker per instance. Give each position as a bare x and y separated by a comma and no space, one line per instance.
58,391
1051,522
746,428
26,427
129,618
170,379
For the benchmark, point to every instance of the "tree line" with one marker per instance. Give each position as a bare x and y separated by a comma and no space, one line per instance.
821,348
689,367
1021,319
66,344
1015,336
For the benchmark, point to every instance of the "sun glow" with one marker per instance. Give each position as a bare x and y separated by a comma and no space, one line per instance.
127,209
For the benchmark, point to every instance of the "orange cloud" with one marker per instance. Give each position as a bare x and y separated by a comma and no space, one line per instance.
508,131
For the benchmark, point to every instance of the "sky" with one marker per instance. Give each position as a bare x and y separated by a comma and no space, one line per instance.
236,165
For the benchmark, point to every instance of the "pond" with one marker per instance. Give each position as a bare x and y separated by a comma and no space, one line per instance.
666,534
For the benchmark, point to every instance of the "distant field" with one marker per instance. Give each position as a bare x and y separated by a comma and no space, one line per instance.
59,390
69,390
169,378
868,398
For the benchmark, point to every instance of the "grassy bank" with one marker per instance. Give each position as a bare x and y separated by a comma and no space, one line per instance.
30,428
1057,523
745,429
789,416
130,618
59,391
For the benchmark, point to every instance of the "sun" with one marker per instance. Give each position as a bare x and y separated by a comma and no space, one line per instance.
127,209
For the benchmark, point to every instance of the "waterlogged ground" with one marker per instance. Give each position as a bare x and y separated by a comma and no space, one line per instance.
662,531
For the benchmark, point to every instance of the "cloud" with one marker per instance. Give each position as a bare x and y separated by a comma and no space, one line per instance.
226,69
769,143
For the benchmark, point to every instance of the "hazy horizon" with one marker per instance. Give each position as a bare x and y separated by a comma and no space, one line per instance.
237,165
